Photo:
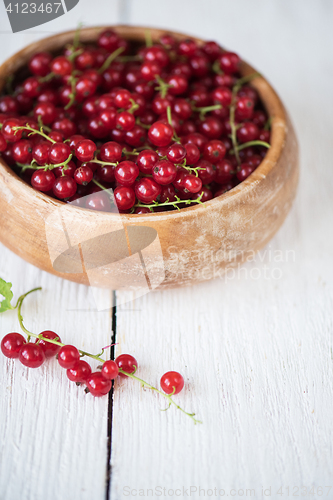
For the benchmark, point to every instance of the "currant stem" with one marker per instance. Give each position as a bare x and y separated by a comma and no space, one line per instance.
100,162
251,143
169,203
34,131
49,166
166,396
19,314
169,116
149,40
206,109
71,96
110,59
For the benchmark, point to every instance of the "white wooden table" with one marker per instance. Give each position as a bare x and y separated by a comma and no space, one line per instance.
255,350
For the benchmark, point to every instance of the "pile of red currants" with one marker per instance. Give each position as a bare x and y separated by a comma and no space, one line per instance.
134,128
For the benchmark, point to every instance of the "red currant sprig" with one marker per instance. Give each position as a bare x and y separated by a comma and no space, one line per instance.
49,344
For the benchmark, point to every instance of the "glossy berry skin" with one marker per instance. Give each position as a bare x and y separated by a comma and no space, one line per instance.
68,356
147,190
98,201
176,153
47,112
224,171
211,127
8,130
3,143
248,132
205,194
206,172
39,64
49,348
149,70
127,363
43,180
124,197
146,160
111,152
126,173
172,382
110,369
98,385
22,151
125,121
164,172
64,187
68,169
244,171
214,151
61,66
83,175
221,95
11,344
59,152
229,62
192,153
192,183
244,108
79,372
31,355
85,150
160,134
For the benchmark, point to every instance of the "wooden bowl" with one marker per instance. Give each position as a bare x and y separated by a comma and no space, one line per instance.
162,250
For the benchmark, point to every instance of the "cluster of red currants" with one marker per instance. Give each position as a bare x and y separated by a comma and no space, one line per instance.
34,354
164,125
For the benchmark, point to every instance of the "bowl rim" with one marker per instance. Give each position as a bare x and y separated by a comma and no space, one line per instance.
269,97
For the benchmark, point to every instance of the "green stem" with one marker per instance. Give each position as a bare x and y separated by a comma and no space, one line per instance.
148,38
169,116
162,87
168,203
94,356
206,109
268,124
34,131
110,59
49,166
100,162
72,95
166,396
251,143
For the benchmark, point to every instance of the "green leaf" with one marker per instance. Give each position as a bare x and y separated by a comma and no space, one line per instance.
5,291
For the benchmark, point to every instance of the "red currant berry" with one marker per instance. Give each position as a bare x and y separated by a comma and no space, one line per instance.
61,66
8,105
47,111
224,171
11,344
176,153
22,151
32,87
160,134
8,130
110,369
146,160
214,151
136,137
127,363
264,135
248,132
59,152
3,143
79,372
31,355
126,173
178,84
108,40
124,197
85,87
192,153
68,169
164,172
206,172
229,62
244,108
147,190
65,126
149,70
172,382
192,183
64,187
98,385
187,47
222,95
83,175
85,149
205,194
98,201
43,180
211,127
111,152
244,171
49,348
212,50
125,120
68,356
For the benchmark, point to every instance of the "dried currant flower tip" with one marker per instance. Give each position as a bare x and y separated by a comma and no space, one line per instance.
98,385
127,363
110,369
11,344
172,382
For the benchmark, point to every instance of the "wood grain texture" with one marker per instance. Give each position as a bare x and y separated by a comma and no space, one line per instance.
228,228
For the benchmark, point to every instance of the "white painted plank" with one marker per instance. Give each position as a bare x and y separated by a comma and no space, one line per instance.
256,353
53,437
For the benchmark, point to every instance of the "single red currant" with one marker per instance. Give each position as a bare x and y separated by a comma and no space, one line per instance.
64,187
146,160
85,150
164,172
11,344
83,175
98,385
31,355
124,197
160,134
147,190
79,372
192,183
43,180
172,382
127,363
110,369
68,356
49,348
